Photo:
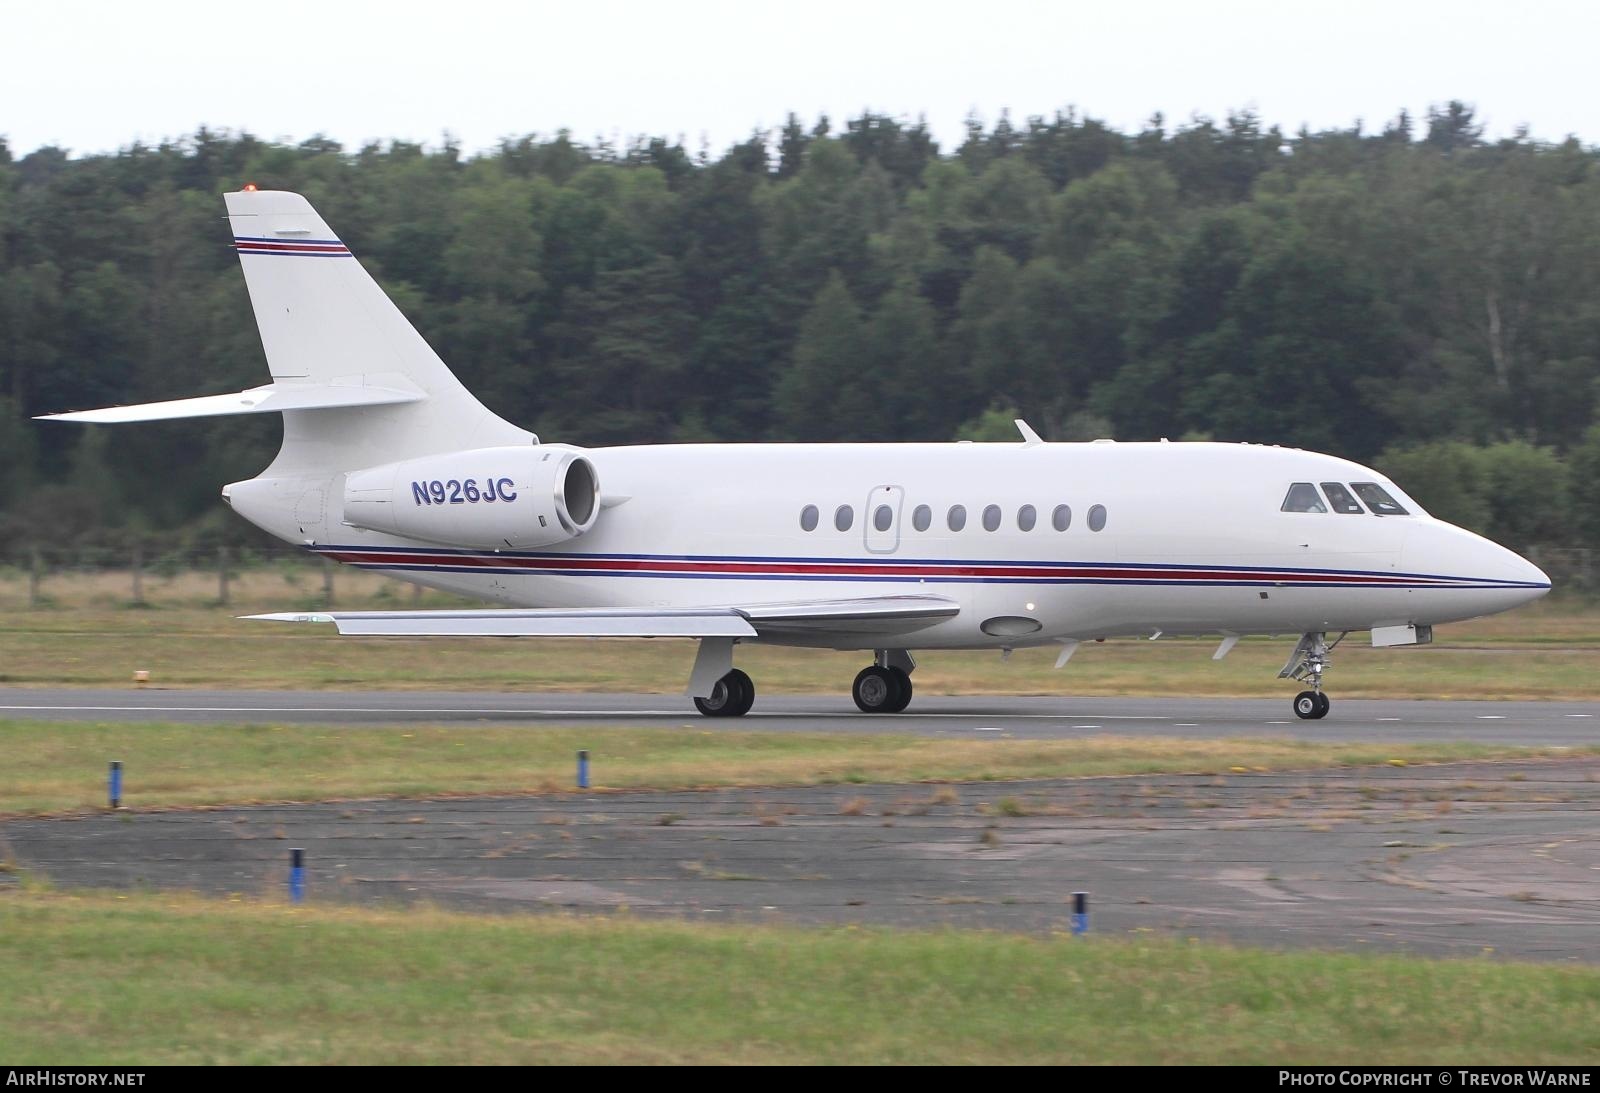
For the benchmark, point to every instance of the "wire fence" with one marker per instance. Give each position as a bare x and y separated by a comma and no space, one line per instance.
269,578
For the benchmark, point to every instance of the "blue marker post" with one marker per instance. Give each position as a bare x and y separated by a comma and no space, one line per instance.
297,875
1080,913
114,785
583,770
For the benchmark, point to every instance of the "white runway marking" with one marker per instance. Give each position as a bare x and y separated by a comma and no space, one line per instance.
1491,717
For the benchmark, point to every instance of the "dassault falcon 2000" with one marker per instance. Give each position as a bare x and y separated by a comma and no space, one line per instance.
389,463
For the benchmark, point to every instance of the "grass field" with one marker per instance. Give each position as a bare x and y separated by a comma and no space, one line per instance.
150,979
1545,651
52,767
142,978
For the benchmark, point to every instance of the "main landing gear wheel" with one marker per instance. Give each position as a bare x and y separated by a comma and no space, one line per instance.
881,690
903,681
1311,705
732,696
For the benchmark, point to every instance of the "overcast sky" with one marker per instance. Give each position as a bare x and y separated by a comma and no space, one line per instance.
97,76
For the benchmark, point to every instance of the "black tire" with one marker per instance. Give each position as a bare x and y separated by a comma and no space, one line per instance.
903,698
1308,706
747,693
876,690
732,696
1323,706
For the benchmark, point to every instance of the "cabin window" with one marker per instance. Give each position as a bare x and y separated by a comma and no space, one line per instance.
1340,498
1378,499
1097,518
1061,518
808,518
922,518
1026,517
843,517
882,517
1303,497
991,518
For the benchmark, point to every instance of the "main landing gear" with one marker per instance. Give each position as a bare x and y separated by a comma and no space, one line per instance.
1306,664
882,687
885,686
881,690
731,696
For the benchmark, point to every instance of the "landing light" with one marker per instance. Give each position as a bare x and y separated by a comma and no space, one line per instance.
249,187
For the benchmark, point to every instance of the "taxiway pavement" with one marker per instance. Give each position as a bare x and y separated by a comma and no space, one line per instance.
1534,723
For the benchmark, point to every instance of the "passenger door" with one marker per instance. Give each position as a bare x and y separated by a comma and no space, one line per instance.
882,521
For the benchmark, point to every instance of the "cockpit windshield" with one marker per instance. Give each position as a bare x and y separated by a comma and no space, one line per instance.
1378,499
1303,497
1340,498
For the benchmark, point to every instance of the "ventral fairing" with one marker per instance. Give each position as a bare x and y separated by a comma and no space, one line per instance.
389,463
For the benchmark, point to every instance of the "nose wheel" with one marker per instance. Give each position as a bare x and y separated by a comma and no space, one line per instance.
1311,705
1306,664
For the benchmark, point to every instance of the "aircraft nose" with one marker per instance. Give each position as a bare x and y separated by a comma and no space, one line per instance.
1476,576
1494,562
1532,575
1525,581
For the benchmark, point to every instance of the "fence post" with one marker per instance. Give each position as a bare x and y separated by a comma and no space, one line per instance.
222,574
35,576
138,572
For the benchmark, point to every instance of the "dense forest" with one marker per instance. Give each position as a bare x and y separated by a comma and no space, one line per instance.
1414,296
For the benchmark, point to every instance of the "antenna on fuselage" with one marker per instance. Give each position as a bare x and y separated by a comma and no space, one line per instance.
1030,439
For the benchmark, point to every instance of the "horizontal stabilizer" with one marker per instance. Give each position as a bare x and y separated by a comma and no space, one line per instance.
871,615
270,399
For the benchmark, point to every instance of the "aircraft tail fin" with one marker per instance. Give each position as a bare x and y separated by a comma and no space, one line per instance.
355,382
325,322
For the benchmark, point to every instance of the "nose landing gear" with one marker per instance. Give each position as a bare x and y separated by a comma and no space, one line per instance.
1306,664
1311,705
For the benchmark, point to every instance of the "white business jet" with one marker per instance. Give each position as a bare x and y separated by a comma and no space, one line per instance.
388,463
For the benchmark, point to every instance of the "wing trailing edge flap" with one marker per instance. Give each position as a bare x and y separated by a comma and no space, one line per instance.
879,614
867,614
271,398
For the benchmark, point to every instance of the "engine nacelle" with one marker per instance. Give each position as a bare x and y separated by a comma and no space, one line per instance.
488,498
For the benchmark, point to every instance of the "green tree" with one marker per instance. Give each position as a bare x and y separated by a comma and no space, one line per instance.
1448,478
829,391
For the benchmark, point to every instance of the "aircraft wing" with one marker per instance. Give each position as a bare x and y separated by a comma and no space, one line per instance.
866,615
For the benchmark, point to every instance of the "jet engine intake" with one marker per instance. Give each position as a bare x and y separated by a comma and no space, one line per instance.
486,499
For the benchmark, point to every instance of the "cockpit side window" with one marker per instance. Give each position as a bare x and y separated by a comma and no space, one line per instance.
1303,497
1340,498
1378,499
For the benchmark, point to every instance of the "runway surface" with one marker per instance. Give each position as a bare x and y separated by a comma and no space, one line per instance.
1456,859
1536,723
